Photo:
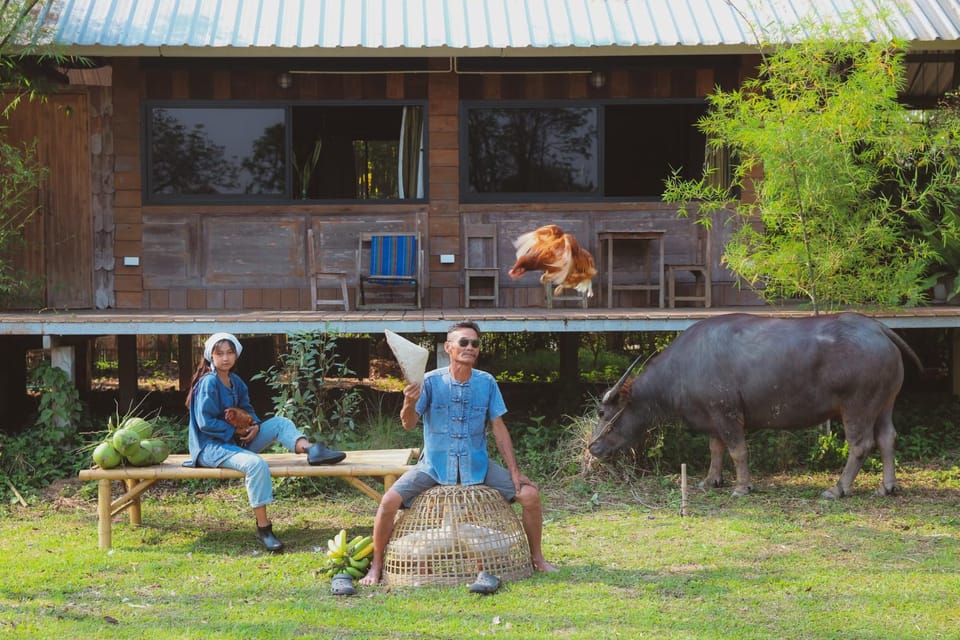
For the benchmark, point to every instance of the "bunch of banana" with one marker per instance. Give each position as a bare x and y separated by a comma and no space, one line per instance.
351,557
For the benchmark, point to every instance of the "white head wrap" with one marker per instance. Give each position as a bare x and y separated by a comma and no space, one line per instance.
214,339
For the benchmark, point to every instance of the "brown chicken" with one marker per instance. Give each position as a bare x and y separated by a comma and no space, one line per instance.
240,420
565,264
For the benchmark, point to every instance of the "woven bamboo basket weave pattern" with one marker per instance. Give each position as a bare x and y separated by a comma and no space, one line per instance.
450,533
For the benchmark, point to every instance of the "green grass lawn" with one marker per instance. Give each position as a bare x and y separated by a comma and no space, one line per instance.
781,563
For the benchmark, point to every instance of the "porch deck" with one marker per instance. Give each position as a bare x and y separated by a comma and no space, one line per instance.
498,320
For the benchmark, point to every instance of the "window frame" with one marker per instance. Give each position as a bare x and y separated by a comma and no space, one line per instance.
288,197
468,197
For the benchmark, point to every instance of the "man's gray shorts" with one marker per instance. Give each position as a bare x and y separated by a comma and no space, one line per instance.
414,482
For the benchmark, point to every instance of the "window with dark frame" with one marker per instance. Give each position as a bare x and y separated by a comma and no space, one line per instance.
566,151
225,152
532,150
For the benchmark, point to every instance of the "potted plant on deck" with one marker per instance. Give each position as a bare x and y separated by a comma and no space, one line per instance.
305,171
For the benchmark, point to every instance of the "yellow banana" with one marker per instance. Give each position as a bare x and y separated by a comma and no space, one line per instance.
333,550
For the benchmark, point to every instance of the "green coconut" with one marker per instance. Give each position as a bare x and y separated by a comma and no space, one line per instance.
139,456
106,456
159,450
126,441
140,425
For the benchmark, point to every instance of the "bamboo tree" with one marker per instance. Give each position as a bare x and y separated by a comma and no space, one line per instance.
843,174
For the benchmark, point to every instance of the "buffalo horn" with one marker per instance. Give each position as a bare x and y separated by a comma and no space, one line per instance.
615,389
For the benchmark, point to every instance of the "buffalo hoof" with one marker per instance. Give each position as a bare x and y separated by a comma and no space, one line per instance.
740,492
707,483
834,492
883,491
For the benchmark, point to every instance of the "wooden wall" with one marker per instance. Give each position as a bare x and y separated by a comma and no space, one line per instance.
255,257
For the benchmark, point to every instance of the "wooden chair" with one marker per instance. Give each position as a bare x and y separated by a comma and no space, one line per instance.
569,295
480,264
393,260
316,276
698,266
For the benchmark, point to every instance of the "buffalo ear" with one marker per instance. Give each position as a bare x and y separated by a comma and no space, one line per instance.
626,388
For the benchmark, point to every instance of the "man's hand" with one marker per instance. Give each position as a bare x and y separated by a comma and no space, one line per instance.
411,392
519,480
408,412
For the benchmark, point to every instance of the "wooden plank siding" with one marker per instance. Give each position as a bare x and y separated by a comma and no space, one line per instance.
59,245
254,256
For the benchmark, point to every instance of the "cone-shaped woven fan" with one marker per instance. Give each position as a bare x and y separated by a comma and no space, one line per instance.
412,357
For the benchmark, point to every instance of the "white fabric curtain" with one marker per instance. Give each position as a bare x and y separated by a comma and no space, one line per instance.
410,154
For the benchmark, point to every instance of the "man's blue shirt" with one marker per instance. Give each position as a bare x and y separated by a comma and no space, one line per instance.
455,416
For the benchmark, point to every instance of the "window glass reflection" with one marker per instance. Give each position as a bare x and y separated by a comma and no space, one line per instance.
209,151
532,150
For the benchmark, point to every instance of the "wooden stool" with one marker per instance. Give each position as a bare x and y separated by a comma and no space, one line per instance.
450,533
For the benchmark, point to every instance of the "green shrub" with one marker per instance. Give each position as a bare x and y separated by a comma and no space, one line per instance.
52,448
309,388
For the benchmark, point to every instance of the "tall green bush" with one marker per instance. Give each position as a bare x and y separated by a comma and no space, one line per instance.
309,389
850,184
52,448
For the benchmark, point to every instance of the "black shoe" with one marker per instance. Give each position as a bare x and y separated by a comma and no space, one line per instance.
486,583
319,454
268,540
342,585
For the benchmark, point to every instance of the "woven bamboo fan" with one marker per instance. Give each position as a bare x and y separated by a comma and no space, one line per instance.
450,533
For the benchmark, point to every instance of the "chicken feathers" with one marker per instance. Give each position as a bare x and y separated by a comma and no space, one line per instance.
565,264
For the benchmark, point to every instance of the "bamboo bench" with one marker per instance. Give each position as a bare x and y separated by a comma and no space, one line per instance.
388,464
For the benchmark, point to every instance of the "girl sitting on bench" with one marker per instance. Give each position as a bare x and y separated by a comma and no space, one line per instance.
214,442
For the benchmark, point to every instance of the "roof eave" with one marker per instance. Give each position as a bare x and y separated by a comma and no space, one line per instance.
400,52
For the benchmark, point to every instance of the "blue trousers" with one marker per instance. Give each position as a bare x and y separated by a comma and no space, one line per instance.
254,467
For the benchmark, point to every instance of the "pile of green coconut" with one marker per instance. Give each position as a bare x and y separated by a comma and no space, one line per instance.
132,442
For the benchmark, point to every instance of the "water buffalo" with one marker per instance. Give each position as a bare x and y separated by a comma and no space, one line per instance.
738,371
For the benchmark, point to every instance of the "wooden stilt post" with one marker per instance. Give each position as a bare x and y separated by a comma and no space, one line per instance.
683,490
128,385
185,363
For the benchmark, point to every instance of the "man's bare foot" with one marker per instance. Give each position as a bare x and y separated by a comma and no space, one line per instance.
543,565
372,578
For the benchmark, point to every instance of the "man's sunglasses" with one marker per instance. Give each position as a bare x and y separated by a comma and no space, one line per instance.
464,342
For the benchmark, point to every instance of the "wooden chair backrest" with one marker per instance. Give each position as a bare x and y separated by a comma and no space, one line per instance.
480,246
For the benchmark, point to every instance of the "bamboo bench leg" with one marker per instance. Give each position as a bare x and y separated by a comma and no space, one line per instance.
388,482
136,518
103,514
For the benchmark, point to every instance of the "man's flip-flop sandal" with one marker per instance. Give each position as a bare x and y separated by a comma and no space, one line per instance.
486,583
342,585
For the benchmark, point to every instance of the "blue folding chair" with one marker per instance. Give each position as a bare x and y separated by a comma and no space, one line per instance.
394,261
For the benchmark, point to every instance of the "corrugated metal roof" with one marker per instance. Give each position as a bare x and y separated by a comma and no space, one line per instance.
461,27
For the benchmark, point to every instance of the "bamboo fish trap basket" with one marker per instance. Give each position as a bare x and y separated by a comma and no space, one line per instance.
450,533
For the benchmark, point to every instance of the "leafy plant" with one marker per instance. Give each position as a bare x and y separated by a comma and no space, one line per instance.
305,171
843,175
60,405
52,448
535,444
308,383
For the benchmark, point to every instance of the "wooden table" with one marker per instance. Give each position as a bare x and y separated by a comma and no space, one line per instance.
647,237
388,464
